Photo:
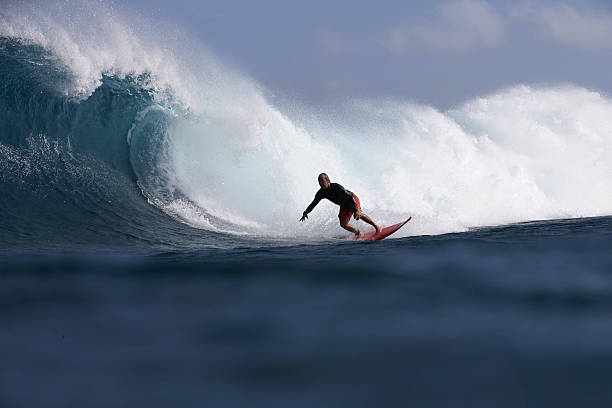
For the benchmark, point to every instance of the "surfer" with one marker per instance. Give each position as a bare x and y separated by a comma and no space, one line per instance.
348,202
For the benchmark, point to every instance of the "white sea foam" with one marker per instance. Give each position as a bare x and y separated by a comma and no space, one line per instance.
520,154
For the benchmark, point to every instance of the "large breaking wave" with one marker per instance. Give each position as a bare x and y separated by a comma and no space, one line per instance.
107,131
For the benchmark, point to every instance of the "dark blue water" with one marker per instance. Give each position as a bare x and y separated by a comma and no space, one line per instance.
105,300
509,316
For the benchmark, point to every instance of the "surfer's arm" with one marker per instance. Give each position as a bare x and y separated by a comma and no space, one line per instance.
355,208
356,212
312,205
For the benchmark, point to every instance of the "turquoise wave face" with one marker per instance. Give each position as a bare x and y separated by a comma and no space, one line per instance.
66,174
33,104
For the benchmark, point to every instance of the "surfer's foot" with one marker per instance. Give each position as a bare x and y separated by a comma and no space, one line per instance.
377,229
358,234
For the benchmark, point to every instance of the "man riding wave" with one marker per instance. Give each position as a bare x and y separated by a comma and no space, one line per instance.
348,202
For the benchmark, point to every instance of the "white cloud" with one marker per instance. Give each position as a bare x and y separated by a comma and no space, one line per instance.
568,26
462,25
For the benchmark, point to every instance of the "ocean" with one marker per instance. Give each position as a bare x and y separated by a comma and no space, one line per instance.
151,253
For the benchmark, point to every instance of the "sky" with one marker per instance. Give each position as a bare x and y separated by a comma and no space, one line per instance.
440,53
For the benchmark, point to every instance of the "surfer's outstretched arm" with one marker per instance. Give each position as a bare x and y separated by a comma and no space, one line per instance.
311,206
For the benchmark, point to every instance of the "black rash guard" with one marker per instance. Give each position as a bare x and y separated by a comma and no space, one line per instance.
337,195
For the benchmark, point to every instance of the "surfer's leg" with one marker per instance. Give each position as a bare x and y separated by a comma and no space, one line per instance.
349,227
368,220
362,216
344,216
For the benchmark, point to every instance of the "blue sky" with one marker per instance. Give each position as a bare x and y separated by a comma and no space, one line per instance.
435,52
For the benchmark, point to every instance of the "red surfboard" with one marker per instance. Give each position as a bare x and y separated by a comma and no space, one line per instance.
384,232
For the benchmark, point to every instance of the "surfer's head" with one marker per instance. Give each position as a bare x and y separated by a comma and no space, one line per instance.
324,180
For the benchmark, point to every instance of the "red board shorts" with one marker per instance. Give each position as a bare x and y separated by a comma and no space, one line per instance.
345,214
